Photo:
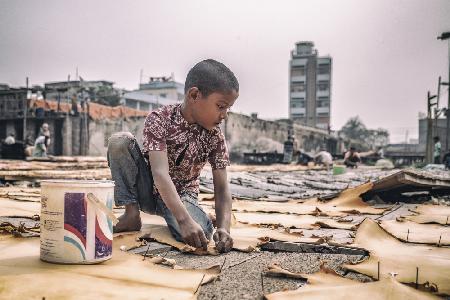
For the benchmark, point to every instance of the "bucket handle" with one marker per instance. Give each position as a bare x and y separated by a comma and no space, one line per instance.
102,207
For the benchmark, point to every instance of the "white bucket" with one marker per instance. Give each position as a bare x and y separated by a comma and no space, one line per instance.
75,229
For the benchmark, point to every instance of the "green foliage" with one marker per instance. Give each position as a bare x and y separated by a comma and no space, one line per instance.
355,129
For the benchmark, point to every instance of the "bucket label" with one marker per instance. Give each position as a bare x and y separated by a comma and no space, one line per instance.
87,231
103,232
75,223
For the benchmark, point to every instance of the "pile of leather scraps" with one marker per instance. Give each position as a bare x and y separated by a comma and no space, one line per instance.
55,167
327,284
10,208
347,202
20,194
313,214
21,227
427,265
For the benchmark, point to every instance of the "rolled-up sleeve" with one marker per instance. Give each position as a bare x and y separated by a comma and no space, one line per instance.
154,133
218,157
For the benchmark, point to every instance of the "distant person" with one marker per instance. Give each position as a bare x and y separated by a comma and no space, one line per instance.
437,150
303,158
324,158
40,148
74,102
45,131
446,160
380,152
10,140
352,158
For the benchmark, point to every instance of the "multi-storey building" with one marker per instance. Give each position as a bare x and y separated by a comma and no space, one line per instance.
309,86
163,87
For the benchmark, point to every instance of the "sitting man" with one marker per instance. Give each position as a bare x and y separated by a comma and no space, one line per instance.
352,158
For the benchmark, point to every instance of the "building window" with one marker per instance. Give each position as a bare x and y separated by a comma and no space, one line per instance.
324,69
163,95
297,102
323,85
298,71
323,102
298,87
144,106
297,115
322,114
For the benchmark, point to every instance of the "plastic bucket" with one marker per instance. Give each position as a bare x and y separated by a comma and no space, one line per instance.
338,170
76,221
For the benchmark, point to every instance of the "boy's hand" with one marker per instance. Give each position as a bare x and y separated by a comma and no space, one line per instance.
193,234
223,240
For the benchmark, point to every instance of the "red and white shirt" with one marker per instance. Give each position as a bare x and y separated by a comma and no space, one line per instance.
188,146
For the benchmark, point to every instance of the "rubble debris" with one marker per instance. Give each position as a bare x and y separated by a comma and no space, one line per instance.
402,258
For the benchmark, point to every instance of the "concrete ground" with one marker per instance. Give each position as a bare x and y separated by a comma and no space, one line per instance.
243,274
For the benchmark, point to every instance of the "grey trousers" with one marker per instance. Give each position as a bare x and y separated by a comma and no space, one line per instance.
133,181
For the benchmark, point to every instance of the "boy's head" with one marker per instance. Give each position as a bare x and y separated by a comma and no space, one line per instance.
436,139
210,90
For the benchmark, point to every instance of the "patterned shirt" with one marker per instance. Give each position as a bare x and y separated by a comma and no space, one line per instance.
188,146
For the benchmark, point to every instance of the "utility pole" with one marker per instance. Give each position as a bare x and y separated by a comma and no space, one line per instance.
446,36
429,152
25,110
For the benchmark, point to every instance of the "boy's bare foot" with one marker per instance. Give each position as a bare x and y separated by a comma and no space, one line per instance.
130,220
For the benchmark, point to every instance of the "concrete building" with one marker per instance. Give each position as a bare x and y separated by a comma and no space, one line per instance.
143,101
63,90
163,87
309,86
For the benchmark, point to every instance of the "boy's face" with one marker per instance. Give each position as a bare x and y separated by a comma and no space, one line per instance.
210,111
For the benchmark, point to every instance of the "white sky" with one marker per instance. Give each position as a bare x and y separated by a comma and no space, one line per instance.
385,52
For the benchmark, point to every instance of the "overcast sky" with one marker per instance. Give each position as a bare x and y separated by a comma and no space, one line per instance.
385,52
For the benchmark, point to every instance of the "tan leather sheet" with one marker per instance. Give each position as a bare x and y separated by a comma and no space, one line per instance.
296,221
408,231
10,208
345,289
125,276
438,214
349,201
401,258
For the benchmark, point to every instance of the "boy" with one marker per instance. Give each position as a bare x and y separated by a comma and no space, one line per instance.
179,139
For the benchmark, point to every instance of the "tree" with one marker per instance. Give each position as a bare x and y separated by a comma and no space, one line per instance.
355,129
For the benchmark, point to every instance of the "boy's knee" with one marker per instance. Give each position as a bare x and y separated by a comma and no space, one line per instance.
119,143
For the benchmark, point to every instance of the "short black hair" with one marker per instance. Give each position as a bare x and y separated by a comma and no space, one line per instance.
436,138
211,76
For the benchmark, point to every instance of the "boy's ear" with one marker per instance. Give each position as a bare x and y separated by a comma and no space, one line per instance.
194,93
